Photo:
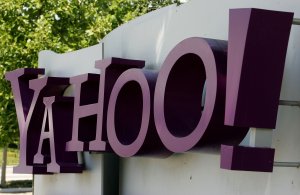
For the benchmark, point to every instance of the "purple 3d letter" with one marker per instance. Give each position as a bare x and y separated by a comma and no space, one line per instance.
111,69
130,81
257,49
180,118
25,103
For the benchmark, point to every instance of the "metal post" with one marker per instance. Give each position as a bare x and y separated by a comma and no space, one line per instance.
296,21
287,164
289,103
4,163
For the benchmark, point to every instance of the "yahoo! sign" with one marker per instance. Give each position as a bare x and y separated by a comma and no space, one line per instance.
206,92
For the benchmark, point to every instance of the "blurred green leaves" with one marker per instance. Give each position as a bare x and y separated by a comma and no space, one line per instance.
29,26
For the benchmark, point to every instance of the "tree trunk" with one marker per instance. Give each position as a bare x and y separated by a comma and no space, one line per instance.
4,161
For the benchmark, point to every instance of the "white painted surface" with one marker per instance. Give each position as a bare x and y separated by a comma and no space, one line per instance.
10,176
71,63
199,173
90,182
258,137
150,38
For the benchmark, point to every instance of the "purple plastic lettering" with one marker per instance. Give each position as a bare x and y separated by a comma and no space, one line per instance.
129,77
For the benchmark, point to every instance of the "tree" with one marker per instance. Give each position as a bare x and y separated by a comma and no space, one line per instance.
29,26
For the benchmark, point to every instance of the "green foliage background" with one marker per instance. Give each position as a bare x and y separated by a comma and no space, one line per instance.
29,26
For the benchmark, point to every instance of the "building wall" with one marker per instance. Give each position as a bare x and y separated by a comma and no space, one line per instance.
151,37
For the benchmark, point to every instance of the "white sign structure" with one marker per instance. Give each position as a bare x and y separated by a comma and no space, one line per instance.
150,38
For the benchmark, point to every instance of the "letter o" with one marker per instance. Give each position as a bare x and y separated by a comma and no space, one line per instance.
129,77
195,49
